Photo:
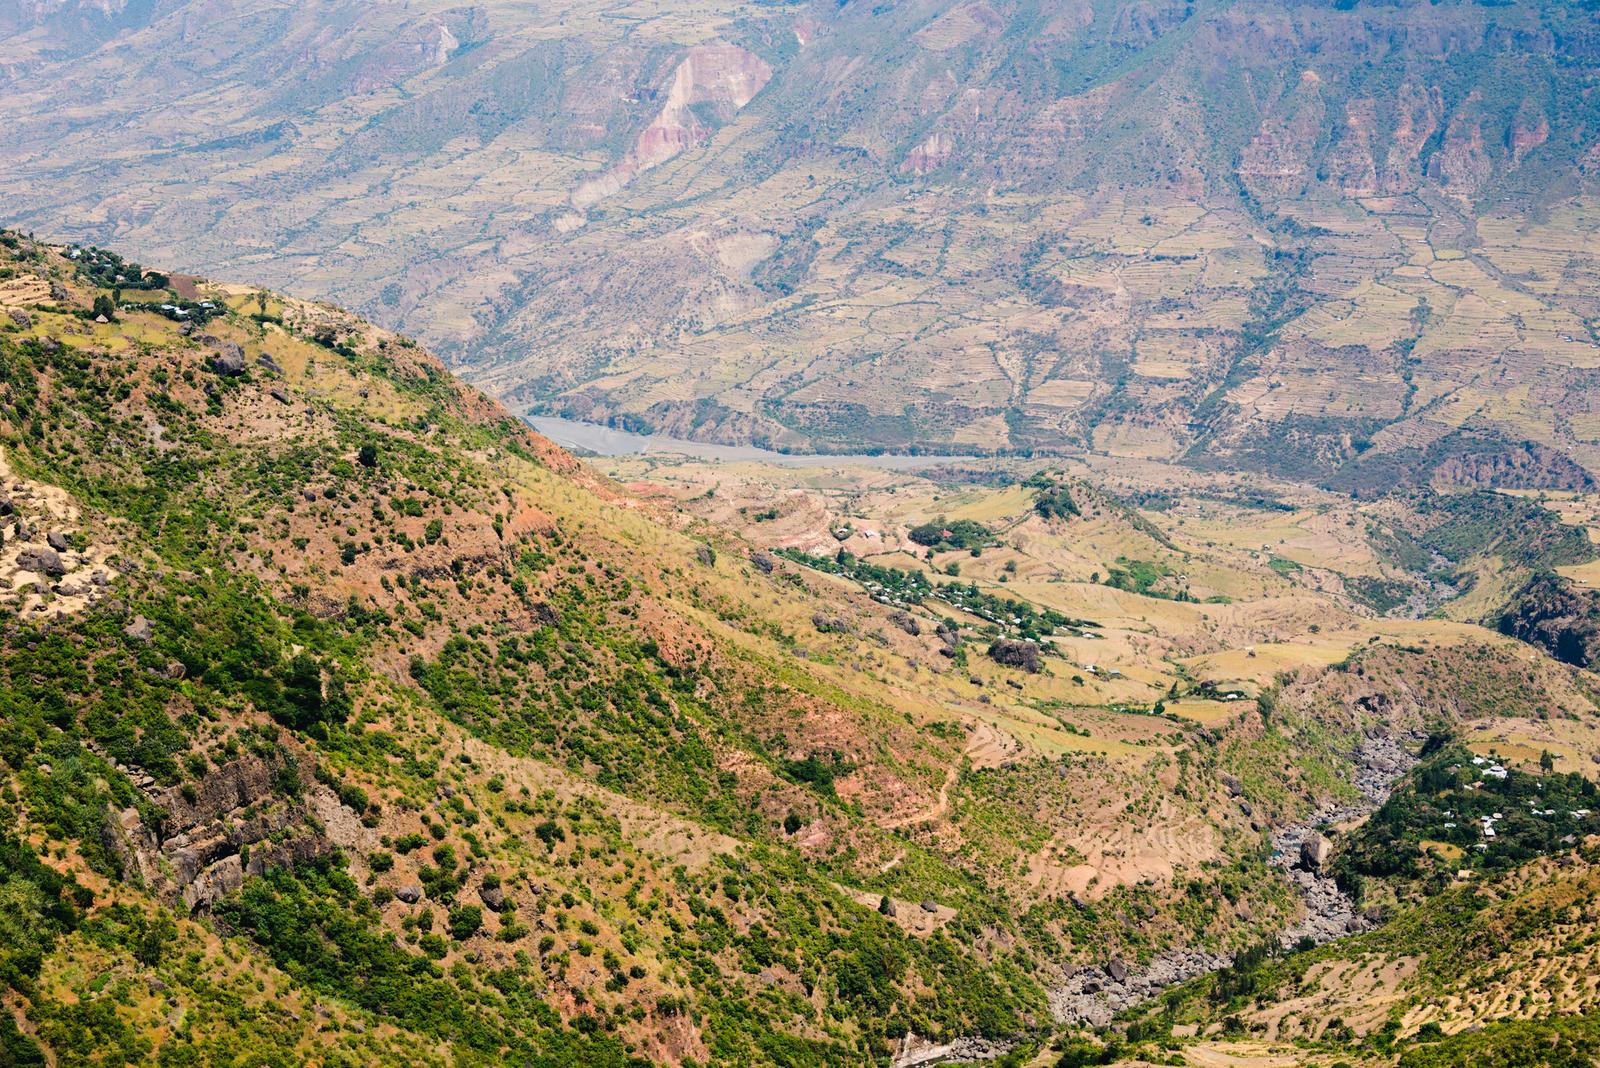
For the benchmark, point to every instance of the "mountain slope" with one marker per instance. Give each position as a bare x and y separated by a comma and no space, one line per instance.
1149,229
349,720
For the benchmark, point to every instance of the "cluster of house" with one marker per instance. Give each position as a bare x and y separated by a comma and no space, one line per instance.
1489,769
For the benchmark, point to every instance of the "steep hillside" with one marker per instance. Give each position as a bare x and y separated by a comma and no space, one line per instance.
349,721
1366,231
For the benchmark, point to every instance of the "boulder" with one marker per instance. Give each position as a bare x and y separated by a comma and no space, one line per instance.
929,906
764,563
139,630
56,540
411,893
906,622
269,364
1117,970
42,561
228,359
1314,851
1015,653
830,625
493,898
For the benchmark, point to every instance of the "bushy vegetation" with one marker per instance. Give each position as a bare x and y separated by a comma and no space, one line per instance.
943,533
1052,499
890,585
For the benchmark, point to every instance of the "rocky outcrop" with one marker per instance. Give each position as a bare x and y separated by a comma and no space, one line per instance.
1556,616
43,561
827,624
906,622
918,1052
930,154
228,360
239,819
1016,653
710,84
1314,851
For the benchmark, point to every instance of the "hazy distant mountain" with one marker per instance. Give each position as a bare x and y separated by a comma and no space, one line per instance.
1165,229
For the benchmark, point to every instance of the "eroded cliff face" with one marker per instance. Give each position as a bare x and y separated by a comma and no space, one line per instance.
709,85
196,844
1277,163
1556,616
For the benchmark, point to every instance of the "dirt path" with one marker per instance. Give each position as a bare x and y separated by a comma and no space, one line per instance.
937,810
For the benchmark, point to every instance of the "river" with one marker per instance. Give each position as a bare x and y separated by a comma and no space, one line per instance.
596,440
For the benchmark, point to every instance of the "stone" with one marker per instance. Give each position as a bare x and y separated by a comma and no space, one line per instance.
7,508
764,563
493,898
411,893
929,906
280,396
1117,970
228,359
829,625
269,364
21,318
1314,851
41,561
214,883
1015,653
140,630
906,622
56,540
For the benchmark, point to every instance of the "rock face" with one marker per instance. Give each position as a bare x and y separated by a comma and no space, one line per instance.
236,821
1551,613
1014,653
710,84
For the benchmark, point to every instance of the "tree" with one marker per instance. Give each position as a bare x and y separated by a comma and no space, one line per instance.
465,921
